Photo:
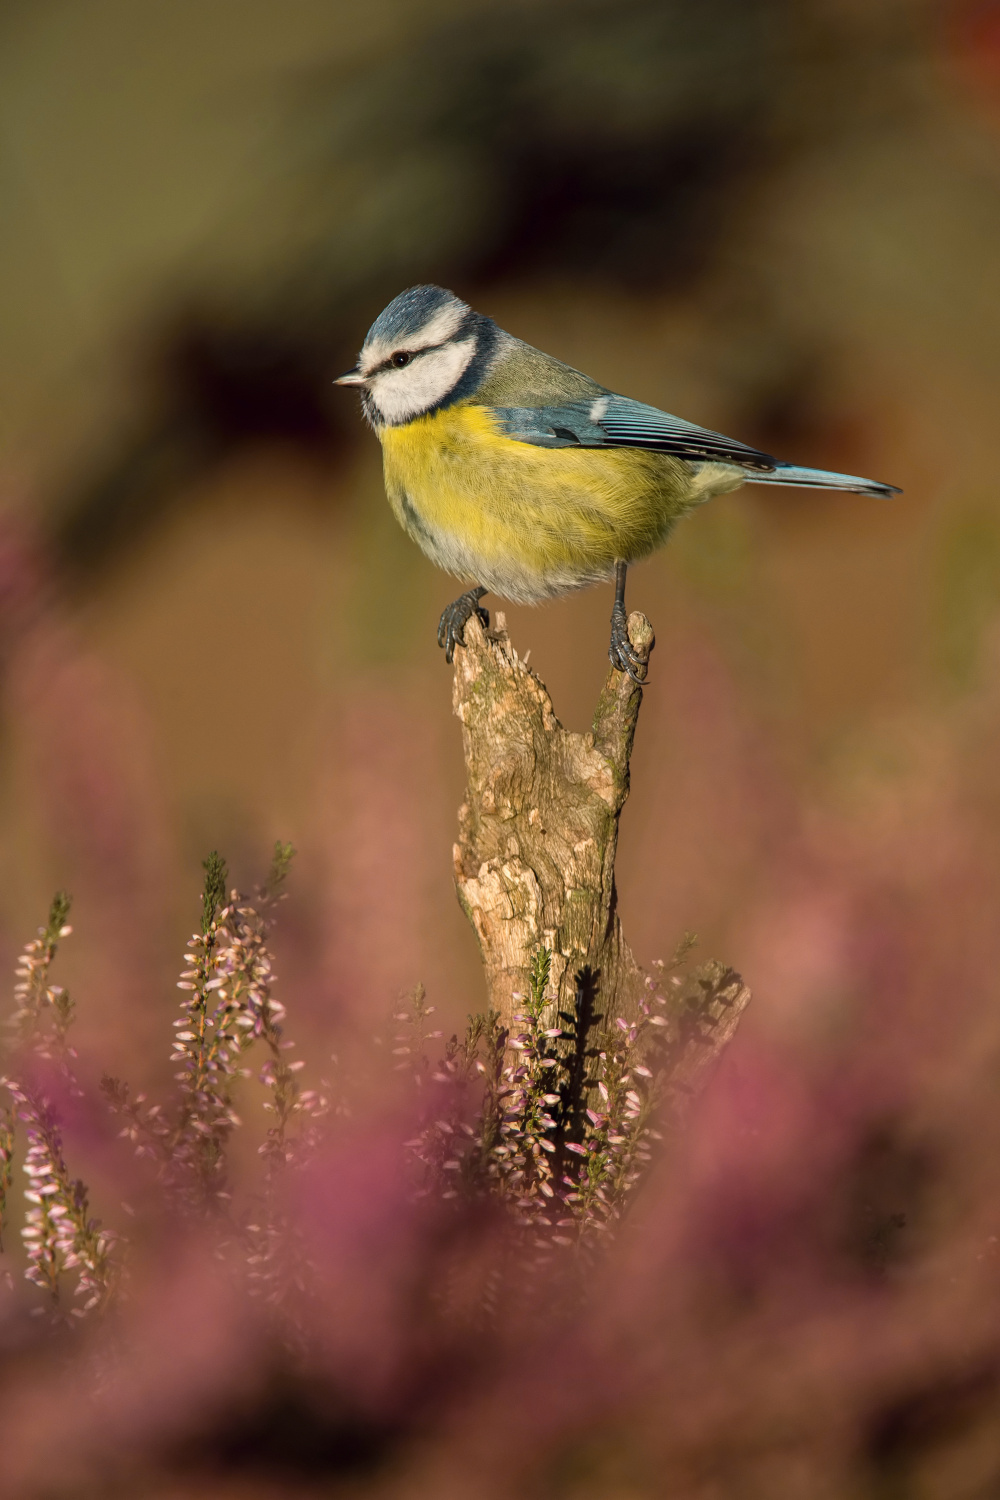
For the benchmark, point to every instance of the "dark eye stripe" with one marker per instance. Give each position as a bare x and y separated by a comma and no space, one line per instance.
412,354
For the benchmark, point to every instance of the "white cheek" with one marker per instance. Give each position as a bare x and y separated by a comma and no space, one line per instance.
403,394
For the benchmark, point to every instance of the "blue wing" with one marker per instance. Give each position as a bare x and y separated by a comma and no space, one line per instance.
616,422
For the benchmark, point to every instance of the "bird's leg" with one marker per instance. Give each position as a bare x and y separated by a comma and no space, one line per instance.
621,651
451,626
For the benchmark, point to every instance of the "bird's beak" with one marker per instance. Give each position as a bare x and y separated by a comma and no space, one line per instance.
353,377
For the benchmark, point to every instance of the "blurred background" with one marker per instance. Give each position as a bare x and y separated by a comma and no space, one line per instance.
777,218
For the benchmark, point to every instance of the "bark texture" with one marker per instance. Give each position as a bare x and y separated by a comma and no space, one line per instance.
535,859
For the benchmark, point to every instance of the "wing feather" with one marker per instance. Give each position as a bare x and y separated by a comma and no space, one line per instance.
610,421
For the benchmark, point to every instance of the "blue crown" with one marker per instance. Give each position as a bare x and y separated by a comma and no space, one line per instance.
411,311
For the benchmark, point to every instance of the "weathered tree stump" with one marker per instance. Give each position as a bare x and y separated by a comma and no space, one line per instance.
535,860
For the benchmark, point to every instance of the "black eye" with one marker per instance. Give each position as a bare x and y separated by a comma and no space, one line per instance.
401,359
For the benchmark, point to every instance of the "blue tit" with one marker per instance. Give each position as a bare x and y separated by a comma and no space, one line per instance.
518,473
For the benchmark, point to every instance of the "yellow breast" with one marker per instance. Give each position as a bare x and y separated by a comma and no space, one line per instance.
530,522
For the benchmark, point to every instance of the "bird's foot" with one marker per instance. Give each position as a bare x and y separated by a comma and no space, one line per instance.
451,627
623,654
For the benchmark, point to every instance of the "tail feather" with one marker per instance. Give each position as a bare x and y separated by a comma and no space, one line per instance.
822,479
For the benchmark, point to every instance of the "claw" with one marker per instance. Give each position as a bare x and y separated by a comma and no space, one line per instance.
454,618
622,653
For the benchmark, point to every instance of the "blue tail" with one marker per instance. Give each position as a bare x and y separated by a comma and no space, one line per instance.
822,479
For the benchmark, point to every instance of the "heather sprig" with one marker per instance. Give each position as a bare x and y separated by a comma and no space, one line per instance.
615,1145
59,1235
411,1041
462,1107
488,1126
526,1145
229,1006
214,890
43,1012
209,1040
441,1144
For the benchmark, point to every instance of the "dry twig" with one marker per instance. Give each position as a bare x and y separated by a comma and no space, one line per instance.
535,860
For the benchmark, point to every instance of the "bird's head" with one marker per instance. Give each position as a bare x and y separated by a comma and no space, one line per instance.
416,354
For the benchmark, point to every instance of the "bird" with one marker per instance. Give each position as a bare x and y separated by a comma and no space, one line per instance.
525,477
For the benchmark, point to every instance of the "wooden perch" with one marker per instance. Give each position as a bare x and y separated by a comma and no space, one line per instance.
535,860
